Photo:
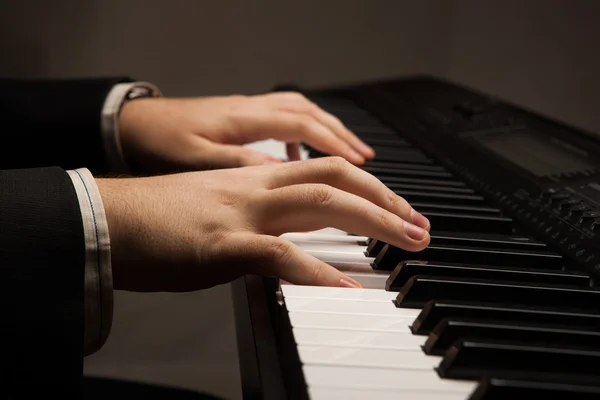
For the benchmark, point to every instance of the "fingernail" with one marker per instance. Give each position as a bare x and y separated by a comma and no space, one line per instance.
354,156
349,283
367,150
419,219
414,232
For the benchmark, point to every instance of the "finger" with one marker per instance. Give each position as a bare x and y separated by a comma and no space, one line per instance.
294,127
296,102
344,133
217,155
337,172
293,151
309,207
274,256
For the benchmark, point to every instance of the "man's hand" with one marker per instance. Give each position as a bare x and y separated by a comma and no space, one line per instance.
162,134
195,230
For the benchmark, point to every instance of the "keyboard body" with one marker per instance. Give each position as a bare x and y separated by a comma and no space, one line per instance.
514,201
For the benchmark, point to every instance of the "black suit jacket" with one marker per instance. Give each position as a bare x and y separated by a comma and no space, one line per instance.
45,128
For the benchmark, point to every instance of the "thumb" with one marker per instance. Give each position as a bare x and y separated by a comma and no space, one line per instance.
275,256
234,156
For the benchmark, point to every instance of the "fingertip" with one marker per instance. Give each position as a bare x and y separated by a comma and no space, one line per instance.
348,282
417,234
419,220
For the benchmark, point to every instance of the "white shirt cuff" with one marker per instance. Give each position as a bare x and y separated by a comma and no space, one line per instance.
113,104
98,286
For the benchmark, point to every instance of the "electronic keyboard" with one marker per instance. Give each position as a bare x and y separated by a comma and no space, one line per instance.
502,303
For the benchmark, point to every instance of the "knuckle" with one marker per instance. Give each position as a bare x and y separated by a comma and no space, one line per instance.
384,220
320,195
278,251
305,125
318,274
338,166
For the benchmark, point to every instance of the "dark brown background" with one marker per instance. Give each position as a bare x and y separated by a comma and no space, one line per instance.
540,54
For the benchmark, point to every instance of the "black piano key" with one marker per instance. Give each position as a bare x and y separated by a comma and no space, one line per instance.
432,197
467,222
398,154
441,207
380,171
421,289
374,247
406,270
449,331
401,166
418,181
425,188
502,389
384,141
435,311
390,256
476,359
406,158
507,242
378,129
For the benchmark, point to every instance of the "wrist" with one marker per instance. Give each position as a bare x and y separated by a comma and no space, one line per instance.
117,218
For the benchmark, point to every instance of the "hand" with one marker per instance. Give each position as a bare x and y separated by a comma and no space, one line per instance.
194,230
162,134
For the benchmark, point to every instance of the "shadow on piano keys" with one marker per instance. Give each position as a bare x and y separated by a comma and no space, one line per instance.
487,311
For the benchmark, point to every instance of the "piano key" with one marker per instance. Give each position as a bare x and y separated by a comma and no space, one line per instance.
304,319
449,198
349,248
487,240
384,141
401,165
399,154
407,269
500,389
435,311
320,393
390,256
379,172
361,378
421,181
301,237
365,357
378,129
419,290
448,331
341,256
473,359
324,292
368,280
441,189
448,221
374,247
441,207
359,338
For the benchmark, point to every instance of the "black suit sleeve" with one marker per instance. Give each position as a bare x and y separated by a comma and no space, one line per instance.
53,122
42,261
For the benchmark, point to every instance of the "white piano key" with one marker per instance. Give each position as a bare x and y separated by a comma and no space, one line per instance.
320,393
333,247
347,256
343,306
366,357
404,340
336,376
320,237
368,280
303,319
324,292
